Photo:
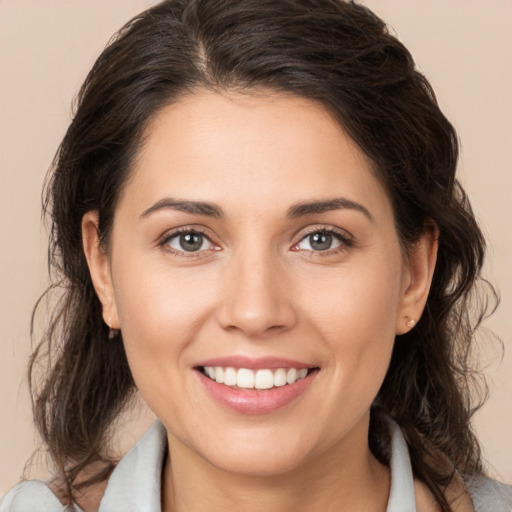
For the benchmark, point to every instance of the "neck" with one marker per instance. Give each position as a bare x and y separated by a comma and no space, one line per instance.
348,477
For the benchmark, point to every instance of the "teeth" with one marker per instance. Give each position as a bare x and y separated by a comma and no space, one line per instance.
264,379
245,378
280,377
291,376
250,379
219,374
230,377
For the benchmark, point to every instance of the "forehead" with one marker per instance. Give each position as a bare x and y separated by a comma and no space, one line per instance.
262,150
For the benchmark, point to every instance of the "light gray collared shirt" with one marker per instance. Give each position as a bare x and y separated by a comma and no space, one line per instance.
135,483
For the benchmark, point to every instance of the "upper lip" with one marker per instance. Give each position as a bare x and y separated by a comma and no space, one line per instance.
251,363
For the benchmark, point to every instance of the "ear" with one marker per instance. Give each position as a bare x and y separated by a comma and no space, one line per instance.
420,265
99,268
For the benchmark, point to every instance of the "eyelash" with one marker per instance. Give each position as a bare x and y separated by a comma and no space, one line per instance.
346,241
166,239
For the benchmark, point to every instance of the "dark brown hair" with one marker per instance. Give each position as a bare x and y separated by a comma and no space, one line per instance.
334,52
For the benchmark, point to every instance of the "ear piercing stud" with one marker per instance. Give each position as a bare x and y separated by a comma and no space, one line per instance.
112,333
410,323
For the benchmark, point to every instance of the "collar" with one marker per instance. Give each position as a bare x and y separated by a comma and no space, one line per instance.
401,494
135,483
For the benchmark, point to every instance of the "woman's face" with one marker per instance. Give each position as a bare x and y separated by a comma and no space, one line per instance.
252,235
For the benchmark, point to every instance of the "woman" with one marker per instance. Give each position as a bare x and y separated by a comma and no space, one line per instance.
258,228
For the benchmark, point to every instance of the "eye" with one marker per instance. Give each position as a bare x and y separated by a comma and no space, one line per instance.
321,240
189,241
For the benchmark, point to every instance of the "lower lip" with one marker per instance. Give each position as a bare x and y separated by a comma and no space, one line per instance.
255,401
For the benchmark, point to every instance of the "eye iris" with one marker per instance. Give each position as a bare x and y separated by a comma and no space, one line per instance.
320,241
191,241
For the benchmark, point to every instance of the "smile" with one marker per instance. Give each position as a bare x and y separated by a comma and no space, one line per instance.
255,386
245,378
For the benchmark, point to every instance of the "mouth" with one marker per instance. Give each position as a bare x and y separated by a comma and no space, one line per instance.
260,379
255,386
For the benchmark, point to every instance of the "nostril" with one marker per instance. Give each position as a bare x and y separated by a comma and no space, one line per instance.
254,321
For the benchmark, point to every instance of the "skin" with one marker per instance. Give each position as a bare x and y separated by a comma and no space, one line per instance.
258,288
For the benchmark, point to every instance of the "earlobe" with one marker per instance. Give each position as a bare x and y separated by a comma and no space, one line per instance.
422,258
99,268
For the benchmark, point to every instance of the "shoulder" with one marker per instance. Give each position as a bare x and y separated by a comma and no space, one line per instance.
456,493
33,496
488,494
133,485
477,494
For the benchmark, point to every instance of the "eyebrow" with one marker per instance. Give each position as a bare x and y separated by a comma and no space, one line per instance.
195,207
337,203
295,211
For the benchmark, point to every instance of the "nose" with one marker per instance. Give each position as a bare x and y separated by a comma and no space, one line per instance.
257,298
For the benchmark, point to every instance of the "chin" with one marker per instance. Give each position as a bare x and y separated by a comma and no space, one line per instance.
262,454
267,462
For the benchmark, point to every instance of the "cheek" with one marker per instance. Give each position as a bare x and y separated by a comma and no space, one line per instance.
360,301
161,314
160,311
150,292
356,316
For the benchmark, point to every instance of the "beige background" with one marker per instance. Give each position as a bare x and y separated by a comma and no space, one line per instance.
47,46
